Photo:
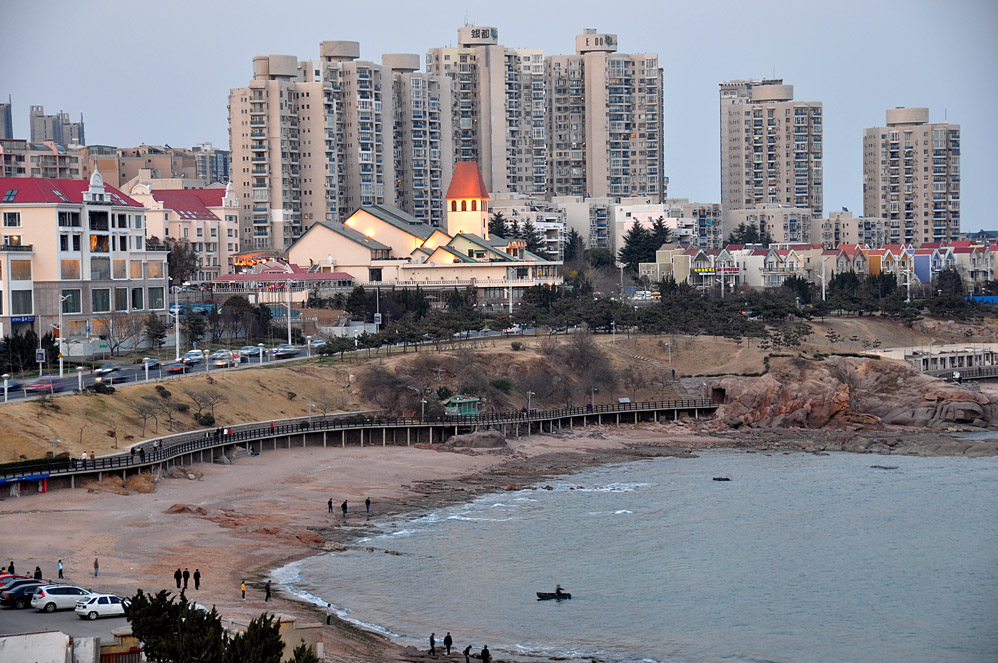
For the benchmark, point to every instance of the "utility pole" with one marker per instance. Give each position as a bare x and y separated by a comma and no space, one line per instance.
823,278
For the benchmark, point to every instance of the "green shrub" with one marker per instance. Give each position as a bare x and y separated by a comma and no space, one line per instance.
206,419
516,345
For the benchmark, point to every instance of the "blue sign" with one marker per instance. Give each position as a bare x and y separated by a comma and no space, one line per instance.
23,318
377,318
40,355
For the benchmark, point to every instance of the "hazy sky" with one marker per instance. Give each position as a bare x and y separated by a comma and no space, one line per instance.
160,73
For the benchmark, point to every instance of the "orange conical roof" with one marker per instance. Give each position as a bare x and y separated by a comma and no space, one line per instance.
467,182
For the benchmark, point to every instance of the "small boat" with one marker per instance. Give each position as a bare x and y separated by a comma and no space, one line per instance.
547,596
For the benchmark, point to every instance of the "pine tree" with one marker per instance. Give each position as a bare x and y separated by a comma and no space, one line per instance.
155,331
497,225
660,234
260,643
638,247
534,239
574,245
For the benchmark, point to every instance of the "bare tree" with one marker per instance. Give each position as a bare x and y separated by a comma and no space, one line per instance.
146,411
206,399
118,329
167,408
635,379
385,388
326,402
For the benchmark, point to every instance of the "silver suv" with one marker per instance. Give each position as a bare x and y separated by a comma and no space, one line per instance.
58,597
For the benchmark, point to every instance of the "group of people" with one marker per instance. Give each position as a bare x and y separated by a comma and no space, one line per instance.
448,642
185,576
37,575
343,507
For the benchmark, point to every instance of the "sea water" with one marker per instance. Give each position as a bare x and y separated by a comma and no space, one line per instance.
799,557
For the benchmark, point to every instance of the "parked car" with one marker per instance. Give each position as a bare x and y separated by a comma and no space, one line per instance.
8,578
193,357
176,367
222,359
113,378
250,351
151,363
19,596
105,369
285,350
317,343
100,605
58,597
45,384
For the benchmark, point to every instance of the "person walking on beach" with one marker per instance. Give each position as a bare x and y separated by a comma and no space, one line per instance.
448,642
486,654
10,567
467,654
344,507
197,578
267,588
177,575
38,573
59,566
96,567
433,645
187,577
243,588
367,504
329,614
330,505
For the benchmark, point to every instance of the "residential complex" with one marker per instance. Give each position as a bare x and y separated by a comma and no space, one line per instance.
212,164
78,247
55,128
771,147
21,158
6,120
911,176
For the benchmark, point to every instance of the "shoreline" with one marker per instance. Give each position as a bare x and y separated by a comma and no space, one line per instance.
262,513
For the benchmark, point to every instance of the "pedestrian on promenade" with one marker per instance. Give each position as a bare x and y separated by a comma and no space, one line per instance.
197,578
433,645
486,654
187,577
344,507
59,566
10,568
330,503
367,503
93,456
448,642
142,454
96,567
267,587
177,575
243,588
467,654
83,460
38,573
329,614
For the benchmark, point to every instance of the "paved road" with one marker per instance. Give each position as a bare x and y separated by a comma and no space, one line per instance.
30,620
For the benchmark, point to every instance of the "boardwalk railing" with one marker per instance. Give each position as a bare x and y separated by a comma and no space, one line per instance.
967,373
166,448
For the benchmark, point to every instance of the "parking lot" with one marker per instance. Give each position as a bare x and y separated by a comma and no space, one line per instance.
30,620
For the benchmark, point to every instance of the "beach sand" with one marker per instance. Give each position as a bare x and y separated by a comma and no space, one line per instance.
260,512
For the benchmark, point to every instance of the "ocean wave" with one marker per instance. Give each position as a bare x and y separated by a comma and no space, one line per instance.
619,487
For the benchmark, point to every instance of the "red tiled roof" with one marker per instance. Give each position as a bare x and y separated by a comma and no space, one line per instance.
278,277
961,243
467,182
185,202
830,252
963,249
923,251
210,197
931,245
42,190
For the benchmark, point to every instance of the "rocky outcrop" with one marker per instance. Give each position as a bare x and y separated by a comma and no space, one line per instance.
482,439
848,392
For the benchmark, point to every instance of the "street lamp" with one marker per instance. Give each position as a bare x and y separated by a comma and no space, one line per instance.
308,346
613,326
592,395
55,441
62,298
310,406
668,344
260,345
79,378
176,319
145,364
621,265
422,409
529,394
6,377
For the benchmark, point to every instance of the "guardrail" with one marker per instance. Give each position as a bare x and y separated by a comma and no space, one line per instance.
965,373
156,450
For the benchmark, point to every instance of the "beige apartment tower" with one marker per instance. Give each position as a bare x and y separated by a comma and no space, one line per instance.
605,121
498,109
771,147
911,177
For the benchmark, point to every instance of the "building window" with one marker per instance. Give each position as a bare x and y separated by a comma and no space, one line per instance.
156,300
72,302
464,205
154,269
100,269
12,240
135,269
453,205
20,270
99,244
20,302
101,300
121,299
69,270
137,304
120,269
138,242
474,205
11,219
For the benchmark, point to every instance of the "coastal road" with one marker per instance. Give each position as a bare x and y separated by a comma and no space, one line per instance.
30,620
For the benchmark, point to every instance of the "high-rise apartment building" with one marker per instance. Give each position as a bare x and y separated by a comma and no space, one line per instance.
605,121
771,147
6,120
498,109
56,128
911,177
314,140
212,163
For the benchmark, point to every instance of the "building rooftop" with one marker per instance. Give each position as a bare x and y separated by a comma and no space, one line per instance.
24,190
467,182
186,203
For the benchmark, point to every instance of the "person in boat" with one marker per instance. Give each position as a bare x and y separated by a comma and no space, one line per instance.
559,591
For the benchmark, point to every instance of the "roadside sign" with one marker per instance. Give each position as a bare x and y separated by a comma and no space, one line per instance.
377,318
40,355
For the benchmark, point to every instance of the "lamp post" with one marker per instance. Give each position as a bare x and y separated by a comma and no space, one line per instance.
55,441
668,344
422,409
145,364
592,395
289,285
260,346
621,265
79,378
310,406
6,377
176,320
58,341
529,394
613,326
308,347
823,278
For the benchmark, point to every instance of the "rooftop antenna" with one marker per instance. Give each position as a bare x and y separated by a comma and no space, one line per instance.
466,24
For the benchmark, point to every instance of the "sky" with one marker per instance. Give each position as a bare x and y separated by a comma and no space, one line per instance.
160,73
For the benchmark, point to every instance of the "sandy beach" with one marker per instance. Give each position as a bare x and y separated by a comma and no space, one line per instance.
250,517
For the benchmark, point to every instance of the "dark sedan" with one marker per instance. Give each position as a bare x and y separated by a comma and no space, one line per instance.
46,384
19,596
176,368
